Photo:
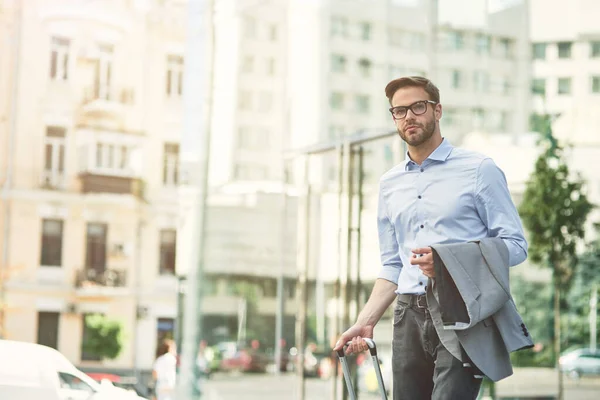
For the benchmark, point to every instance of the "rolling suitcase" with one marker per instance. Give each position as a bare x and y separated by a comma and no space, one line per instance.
346,369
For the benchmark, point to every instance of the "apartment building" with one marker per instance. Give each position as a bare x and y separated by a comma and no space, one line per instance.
341,56
565,51
90,141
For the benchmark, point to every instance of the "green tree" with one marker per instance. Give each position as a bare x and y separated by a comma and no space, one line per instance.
104,337
586,280
554,211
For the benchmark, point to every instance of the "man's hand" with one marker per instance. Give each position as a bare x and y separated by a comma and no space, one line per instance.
355,334
423,258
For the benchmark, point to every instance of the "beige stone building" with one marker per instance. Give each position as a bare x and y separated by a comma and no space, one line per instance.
90,119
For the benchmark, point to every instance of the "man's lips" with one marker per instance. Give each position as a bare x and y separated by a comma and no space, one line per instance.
411,128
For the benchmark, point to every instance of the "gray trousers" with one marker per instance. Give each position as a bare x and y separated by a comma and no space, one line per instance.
422,367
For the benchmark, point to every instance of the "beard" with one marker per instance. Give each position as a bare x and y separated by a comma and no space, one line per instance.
423,133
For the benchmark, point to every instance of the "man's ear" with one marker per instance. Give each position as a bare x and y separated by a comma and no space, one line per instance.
438,111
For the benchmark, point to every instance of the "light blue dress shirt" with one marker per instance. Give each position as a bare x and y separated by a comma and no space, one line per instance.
454,196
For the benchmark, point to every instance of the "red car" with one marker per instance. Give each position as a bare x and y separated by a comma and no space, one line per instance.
243,359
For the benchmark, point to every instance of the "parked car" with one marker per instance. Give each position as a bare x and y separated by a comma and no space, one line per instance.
237,357
124,382
579,362
32,371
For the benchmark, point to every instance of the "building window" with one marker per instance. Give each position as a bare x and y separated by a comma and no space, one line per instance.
482,81
564,85
539,51
52,237
165,330
595,49
273,33
506,48
248,64
95,254
54,157
363,104
505,85
449,116
174,76
456,40
47,329
416,41
270,66
336,101
112,158
596,84
483,44
365,31
339,26
364,65
171,164
59,59
338,63
245,100
168,243
456,79
103,72
538,86
564,49
478,118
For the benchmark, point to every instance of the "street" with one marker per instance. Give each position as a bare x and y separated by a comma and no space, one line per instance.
271,387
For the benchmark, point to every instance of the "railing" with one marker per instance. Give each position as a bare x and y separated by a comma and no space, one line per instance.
90,277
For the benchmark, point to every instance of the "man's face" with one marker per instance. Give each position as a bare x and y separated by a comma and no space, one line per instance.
416,129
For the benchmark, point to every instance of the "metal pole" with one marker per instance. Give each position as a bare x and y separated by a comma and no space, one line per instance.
336,286
194,155
356,230
593,316
347,276
433,26
303,260
280,312
6,188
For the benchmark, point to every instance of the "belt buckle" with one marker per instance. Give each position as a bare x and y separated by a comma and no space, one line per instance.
419,298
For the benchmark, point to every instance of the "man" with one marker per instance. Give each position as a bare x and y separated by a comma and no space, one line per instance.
439,195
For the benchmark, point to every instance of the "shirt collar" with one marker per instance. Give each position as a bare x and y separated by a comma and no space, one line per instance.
441,153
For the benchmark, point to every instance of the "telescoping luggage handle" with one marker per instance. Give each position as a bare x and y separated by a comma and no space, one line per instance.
373,350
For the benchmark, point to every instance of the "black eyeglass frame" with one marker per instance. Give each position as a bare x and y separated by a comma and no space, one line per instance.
410,107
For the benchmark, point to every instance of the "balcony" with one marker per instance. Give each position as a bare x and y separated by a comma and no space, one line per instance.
99,183
92,282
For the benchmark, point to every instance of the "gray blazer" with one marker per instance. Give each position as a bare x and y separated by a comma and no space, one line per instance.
495,328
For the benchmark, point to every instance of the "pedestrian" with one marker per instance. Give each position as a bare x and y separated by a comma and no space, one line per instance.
440,194
164,370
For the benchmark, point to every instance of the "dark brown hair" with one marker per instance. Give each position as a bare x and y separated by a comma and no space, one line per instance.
164,347
412,81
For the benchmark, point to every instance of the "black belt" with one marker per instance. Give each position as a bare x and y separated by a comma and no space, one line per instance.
414,300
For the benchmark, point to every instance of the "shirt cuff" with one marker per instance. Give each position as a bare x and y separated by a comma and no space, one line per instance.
516,254
390,273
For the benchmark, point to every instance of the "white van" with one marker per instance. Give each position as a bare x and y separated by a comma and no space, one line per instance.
32,371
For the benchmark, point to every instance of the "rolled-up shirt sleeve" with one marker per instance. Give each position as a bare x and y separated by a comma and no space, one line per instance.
388,245
498,212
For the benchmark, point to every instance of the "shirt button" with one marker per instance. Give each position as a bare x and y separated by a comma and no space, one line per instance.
419,197
422,170
421,283
422,226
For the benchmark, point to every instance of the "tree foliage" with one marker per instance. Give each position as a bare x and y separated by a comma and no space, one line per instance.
554,211
104,337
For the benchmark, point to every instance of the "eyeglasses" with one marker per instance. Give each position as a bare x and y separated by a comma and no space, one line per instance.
417,108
